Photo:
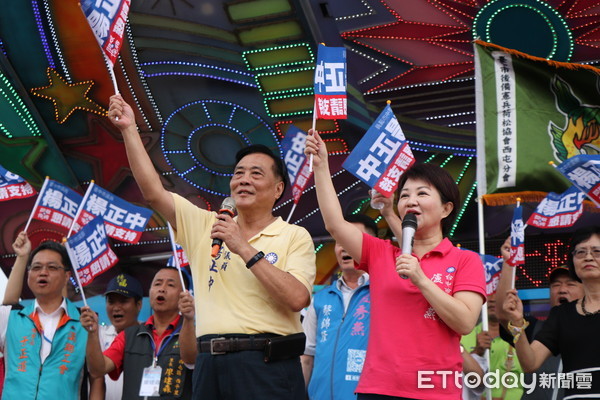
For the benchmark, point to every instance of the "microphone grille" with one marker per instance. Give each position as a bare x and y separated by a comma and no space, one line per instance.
229,204
409,220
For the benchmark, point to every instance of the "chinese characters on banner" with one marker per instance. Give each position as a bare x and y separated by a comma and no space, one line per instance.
558,210
90,252
517,238
57,204
507,124
382,155
330,83
12,186
124,221
295,161
584,172
107,18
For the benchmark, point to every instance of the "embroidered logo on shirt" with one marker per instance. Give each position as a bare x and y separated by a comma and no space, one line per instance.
271,258
430,314
450,270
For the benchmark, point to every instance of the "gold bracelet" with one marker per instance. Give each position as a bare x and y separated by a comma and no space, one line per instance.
516,331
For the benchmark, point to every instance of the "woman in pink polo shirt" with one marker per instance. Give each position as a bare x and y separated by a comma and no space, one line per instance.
421,303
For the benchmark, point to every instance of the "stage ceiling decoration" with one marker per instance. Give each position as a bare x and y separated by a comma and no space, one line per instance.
208,77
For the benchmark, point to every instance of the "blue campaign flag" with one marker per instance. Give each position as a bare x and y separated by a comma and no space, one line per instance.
107,18
584,172
558,210
330,83
295,161
90,252
12,186
382,155
493,267
57,204
517,238
124,221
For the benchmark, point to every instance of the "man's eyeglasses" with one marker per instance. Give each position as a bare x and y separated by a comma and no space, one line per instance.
583,252
50,268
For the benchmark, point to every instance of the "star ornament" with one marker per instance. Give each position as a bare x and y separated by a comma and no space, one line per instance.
67,97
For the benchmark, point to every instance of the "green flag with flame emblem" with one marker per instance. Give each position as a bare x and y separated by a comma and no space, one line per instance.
531,111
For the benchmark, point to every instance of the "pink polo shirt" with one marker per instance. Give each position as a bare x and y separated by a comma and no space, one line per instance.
406,335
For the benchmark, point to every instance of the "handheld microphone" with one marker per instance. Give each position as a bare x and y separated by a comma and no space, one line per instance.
227,207
409,226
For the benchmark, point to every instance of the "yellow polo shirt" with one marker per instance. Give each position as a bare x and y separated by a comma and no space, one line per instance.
228,297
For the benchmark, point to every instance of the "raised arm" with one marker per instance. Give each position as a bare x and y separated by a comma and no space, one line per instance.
187,335
14,286
98,364
344,233
531,355
387,212
504,282
148,180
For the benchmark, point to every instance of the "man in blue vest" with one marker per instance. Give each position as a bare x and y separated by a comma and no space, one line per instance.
44,343
337,328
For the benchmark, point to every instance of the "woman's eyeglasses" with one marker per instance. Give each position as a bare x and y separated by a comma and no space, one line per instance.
583,252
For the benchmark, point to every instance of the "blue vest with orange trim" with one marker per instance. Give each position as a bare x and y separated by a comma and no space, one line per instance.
61,373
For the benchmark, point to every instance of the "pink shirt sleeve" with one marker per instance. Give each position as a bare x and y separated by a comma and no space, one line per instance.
470,276
116,352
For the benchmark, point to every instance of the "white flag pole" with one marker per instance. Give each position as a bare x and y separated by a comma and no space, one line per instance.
37,203
291,211
484,309
75,271
314,126
80,209
175,258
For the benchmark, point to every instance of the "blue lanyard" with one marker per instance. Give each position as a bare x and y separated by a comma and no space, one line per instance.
163,344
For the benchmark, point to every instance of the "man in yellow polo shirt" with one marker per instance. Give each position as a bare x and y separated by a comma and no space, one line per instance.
248,297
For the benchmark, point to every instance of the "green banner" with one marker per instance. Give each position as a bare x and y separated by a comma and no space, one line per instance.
531,111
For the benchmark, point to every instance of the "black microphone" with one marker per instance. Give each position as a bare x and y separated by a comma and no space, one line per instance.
409,226
227,207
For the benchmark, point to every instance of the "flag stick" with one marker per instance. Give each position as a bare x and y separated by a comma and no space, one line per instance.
291,212
514,270
75,270
175,258
314,126
484,309
585,192
80,209
37,202
113,78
